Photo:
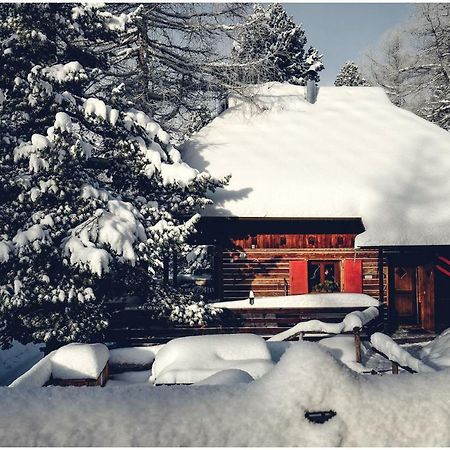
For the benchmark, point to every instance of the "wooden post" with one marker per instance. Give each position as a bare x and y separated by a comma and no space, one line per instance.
394,368
357,335
175,268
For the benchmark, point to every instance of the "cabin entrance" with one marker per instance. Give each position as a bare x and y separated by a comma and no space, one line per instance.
412,293
405,308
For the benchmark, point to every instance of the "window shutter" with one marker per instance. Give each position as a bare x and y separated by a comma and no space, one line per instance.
298,277
352,275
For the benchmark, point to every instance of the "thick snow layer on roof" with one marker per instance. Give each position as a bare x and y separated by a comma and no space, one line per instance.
403,410
351,154
335,300
194,358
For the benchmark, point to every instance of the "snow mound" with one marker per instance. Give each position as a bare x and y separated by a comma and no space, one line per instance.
437,352
75,361
374,158
229,376
194,358
269,412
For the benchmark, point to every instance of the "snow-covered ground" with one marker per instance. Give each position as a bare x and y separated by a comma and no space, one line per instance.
370,410
17,360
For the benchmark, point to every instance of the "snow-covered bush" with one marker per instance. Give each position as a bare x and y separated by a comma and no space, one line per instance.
95,195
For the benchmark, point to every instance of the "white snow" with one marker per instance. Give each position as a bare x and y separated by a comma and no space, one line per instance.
31,235
37,375
351,154
335,300
404,410
75,361
134,355
5,250
354,319
194,358
63,122
63,73
16,360
437,352
228,376
178,173
394,352
87,256
97,108
118,228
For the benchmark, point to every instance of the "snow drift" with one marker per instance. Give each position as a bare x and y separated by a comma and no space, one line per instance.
370,410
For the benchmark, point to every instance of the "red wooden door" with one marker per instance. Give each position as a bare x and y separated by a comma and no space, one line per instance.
298,277
352,275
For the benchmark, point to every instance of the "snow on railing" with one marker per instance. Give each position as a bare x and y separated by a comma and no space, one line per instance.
37,376
355,319
389,348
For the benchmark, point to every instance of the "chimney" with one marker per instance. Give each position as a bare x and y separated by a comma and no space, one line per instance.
311,91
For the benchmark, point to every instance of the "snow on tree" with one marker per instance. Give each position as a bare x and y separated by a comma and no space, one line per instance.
173,62
95,195
431,33
271,35
386,67
350,75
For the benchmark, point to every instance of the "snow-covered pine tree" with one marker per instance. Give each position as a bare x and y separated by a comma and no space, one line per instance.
94,193
350,75
270,35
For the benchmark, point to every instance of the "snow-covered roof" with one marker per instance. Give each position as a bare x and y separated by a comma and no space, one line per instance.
351,154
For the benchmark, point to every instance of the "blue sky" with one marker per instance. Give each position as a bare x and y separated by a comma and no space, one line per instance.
343,31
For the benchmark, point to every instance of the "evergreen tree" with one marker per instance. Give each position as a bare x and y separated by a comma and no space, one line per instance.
95,195
271,37
350,75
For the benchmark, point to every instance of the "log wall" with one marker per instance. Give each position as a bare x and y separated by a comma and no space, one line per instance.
264,269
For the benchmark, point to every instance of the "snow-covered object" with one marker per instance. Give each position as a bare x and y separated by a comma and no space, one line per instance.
63,73
74,361
394,352
343,349
97,108
350,154
354,319
37,376
437,352
133,355
194,358
269,412
334,300
228,376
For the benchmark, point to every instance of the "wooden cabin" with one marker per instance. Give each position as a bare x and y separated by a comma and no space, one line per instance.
347,194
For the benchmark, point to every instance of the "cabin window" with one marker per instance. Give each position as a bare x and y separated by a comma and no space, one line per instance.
282,240
323,276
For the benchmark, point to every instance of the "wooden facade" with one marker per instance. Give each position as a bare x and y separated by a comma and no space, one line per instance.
277,257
